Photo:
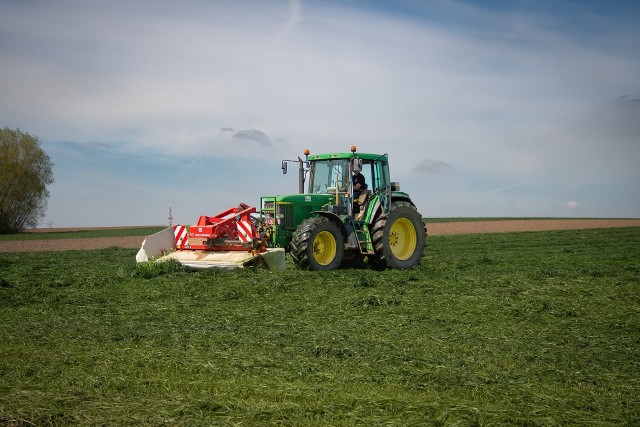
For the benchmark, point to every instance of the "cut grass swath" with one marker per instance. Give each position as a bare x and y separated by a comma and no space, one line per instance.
500,329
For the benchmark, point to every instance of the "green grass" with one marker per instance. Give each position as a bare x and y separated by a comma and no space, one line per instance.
530,329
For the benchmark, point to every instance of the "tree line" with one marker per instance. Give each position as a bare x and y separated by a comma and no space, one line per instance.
25,172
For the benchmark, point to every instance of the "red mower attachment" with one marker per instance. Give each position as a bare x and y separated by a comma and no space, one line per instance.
231,230
226,241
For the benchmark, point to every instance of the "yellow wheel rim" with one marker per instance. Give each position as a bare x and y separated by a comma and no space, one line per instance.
324,248
402,239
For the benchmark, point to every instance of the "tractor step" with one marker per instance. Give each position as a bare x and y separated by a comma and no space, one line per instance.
364,240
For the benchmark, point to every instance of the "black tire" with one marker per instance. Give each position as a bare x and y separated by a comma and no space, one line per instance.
317,244
398,238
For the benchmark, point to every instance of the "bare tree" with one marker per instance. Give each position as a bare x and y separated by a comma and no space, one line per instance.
25,172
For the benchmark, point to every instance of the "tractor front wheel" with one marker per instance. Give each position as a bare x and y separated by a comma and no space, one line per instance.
398,238
317,244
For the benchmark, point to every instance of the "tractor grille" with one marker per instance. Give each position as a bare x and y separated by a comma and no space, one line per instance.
268,205
285,214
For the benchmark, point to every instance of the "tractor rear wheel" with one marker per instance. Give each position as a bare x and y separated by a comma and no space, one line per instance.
398,238
317,244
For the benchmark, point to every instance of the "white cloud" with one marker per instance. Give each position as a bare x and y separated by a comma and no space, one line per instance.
572,205
431,166
507,96
253,135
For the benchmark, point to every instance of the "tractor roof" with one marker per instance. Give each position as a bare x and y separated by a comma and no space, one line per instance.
364,156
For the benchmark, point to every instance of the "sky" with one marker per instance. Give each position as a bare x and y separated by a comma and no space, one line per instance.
516,108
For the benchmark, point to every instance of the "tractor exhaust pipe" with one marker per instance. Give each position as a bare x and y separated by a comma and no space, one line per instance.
301,170
300,176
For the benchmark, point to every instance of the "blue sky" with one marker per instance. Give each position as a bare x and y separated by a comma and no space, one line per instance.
503,108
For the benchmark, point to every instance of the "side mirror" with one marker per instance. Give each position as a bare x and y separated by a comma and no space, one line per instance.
284,167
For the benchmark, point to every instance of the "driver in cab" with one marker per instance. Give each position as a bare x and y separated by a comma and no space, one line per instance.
359,185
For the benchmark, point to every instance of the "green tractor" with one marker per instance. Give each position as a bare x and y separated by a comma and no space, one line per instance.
326,228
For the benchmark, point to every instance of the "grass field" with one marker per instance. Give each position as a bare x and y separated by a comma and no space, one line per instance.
530,329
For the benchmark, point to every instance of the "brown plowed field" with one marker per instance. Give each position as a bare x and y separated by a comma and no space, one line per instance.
471,227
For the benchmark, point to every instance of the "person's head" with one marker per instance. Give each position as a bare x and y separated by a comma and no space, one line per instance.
356,168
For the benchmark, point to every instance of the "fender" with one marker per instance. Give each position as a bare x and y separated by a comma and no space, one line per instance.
375,205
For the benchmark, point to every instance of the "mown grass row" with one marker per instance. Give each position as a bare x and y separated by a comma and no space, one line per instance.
498,329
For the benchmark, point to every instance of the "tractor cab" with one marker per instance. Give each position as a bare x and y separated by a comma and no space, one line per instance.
328,172
331,174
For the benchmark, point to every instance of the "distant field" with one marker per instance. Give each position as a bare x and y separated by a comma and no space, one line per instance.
529,329
81,233
474,219
132,237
